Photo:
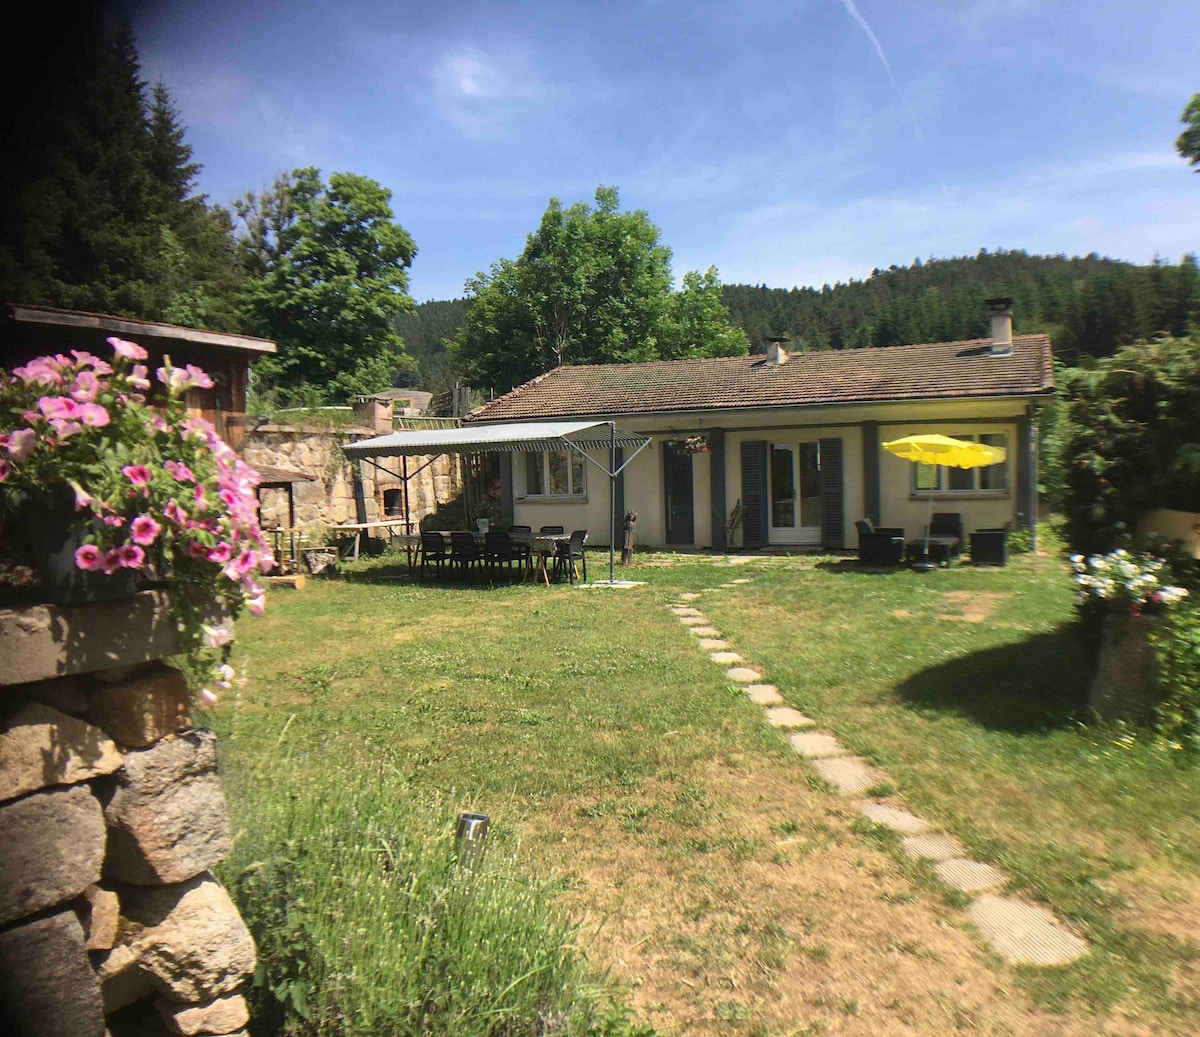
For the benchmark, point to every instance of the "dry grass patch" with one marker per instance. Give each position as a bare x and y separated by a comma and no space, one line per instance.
739,899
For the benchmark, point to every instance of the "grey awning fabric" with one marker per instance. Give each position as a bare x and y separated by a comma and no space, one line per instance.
475,439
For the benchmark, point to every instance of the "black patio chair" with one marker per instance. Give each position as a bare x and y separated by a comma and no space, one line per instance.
464,552
433,549
989,546
547,531
522,542
570,553
879,546
948,525
498,550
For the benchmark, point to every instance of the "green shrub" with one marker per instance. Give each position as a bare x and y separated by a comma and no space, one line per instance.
1177,648
366,924
1129,441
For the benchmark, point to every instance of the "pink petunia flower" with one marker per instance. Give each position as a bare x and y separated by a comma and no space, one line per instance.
197,378
180,471
93,414
175,513
115,521
4,469
21,443
144,530
130,556
89,557
256,604
139,377
207,697
85,388
138,474
127,350
221,553
112,561
197,549
83,499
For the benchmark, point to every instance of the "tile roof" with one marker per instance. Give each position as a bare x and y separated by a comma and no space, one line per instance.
928,371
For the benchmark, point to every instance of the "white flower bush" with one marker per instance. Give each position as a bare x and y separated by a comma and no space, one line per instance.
1121,580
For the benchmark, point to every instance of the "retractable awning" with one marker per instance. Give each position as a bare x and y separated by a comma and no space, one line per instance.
523,437
518,437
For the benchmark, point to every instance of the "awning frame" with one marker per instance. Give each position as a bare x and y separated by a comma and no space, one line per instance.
466,440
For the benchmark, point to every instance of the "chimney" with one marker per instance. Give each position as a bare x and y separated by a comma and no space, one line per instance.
1001,314
776,355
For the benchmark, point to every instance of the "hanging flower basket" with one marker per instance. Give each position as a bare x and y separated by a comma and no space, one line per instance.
696,445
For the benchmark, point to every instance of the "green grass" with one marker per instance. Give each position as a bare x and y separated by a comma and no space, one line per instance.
979,726
376,709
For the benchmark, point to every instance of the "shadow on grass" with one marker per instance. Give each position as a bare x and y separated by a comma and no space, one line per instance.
841,566
1037,684
400,573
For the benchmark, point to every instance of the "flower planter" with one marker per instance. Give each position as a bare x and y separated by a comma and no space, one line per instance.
1126,683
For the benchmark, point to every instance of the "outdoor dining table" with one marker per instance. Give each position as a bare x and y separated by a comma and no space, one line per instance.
542,547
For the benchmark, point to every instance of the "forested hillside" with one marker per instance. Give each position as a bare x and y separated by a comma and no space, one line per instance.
425,333
1090,306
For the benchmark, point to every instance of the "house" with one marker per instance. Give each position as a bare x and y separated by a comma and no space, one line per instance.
796,439
28,331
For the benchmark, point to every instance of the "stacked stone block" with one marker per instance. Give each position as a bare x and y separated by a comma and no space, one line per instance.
111,819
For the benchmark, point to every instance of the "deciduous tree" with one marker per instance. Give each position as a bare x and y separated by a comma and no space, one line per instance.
328,276
593,285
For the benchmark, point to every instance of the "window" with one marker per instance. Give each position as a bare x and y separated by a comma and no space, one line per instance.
929,478
393,502
554,473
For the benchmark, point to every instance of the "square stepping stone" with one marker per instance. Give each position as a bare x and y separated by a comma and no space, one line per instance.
763,694
932,847
712,644
850,775
689,596
785,716
1023,933
816,745
743,675
969,876
725,658
704,631
693,621
895,818
685,610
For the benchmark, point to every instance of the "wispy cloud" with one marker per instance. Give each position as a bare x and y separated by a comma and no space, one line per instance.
480,92
853,11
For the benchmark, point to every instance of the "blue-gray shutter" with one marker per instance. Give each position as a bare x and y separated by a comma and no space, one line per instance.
754,493
832,494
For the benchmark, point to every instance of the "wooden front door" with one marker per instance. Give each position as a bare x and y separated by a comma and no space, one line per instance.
677,484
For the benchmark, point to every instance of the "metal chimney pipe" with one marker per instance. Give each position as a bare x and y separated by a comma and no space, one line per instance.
1000,310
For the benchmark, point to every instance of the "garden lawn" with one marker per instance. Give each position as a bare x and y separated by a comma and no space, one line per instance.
716,880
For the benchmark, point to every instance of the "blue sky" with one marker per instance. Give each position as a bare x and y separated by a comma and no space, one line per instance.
785,143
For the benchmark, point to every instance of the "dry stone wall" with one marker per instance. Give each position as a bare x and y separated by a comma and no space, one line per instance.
330,500
112,818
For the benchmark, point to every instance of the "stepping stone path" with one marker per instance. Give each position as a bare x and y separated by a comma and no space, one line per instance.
895,818
1025,934
969,876
785,716
742,675
816,745
1021,933
763,694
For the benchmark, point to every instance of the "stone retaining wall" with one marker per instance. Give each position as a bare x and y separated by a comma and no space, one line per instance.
112,816
329,500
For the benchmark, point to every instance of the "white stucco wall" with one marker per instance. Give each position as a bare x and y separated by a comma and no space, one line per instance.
899,506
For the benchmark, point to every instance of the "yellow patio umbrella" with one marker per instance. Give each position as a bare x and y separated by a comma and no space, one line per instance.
953,453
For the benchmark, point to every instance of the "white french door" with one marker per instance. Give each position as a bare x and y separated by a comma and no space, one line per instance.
795,488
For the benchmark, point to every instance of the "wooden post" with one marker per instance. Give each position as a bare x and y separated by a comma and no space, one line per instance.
627,549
